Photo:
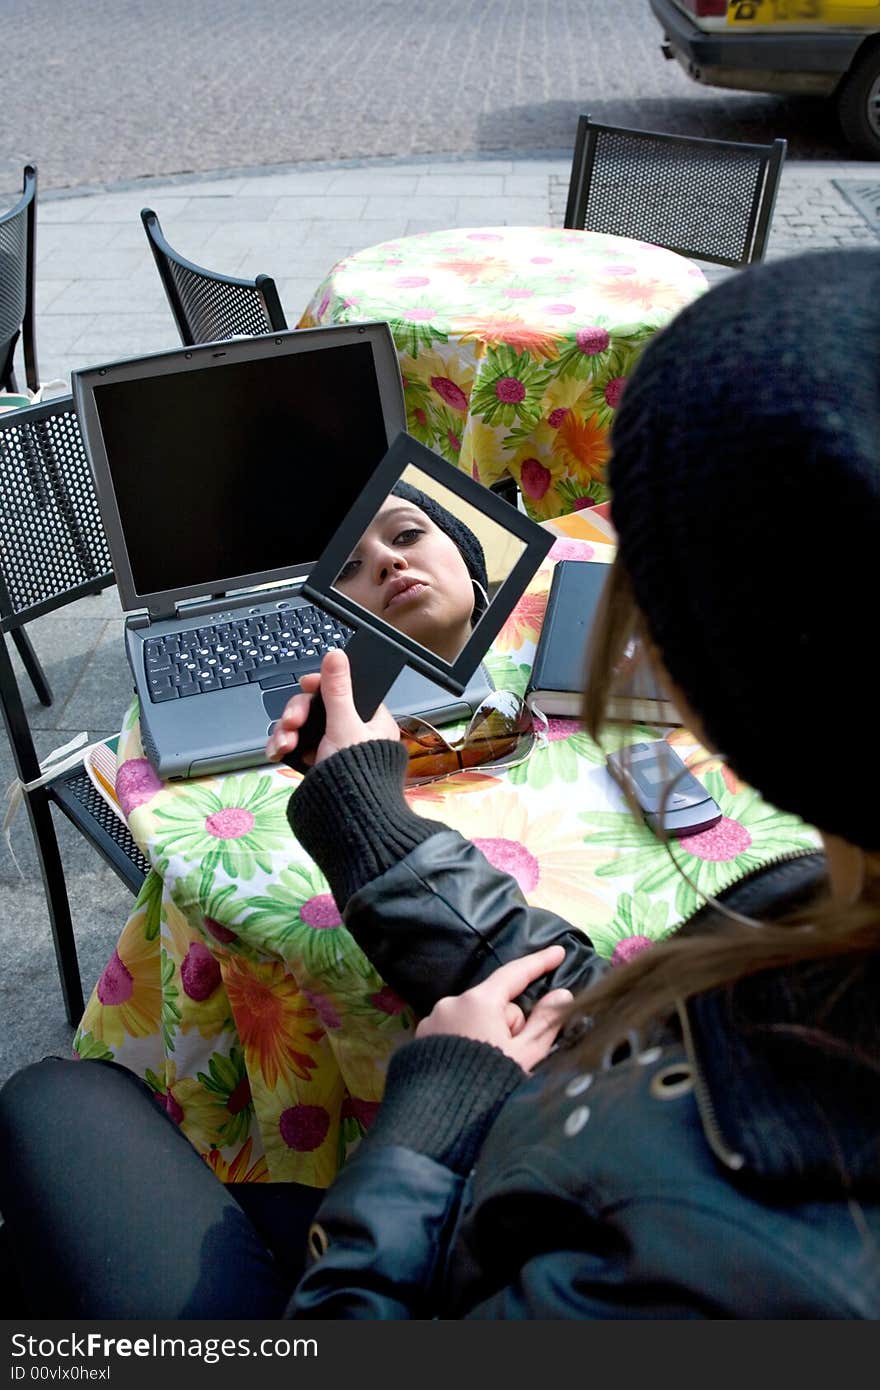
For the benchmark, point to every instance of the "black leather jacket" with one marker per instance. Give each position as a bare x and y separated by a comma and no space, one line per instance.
732,1170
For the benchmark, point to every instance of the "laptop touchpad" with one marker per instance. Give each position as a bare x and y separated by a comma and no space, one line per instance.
275,700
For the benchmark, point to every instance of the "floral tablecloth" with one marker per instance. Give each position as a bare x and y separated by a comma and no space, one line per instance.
240,997
515,344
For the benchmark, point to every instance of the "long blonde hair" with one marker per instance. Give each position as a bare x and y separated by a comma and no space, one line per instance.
646,990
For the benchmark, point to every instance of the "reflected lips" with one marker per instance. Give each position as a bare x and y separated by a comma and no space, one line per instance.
402,590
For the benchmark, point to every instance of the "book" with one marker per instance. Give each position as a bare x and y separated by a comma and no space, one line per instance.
99,763
556,685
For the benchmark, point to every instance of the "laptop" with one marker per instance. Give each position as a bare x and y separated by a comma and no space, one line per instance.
221,472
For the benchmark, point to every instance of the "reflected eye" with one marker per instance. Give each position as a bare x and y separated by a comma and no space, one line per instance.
348,571
409,536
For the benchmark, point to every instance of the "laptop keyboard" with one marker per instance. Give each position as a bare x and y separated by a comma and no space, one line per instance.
272,649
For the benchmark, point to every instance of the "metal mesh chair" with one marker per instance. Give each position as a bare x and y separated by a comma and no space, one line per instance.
52,552
711,200
208,307
18,229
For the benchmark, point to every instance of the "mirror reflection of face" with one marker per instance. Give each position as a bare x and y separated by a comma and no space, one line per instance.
407,571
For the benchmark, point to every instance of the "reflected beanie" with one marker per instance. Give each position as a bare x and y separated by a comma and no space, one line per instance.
468,546
745,482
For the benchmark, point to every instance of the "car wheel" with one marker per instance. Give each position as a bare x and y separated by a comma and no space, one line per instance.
858,103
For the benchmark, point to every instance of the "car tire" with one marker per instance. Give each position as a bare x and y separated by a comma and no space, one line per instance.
858,102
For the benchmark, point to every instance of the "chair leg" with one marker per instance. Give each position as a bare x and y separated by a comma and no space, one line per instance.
507,488
52,869
31,661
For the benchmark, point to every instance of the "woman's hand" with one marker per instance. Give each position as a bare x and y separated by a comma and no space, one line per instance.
344,725
487,1012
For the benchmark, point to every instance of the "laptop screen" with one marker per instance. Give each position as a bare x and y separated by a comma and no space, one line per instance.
233,463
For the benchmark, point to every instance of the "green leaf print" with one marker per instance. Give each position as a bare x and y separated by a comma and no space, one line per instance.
171,1014
506,673
510,388
91,1049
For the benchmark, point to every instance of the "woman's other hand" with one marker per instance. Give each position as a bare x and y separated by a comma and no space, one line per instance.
487,1012
344,725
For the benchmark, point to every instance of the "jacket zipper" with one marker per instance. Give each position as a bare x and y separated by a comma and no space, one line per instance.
708,1118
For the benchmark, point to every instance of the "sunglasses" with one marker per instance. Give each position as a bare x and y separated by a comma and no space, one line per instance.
502,733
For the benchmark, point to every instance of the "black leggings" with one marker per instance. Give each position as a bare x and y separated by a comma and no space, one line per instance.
110,1212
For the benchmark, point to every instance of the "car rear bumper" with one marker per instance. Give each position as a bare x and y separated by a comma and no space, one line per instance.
805,61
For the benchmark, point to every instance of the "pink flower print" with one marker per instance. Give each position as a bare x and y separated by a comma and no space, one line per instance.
515,292
510,390
321,912
386,1001
571,550
364,1111
511,857
199,973
475,472
541,260
394,260
174,1109
304,1127
629,947
614,390
230,823
219,932
323,1008
136,783
421,417
454,441
581,504
592,340
720,843
450,392
323,306
559,729
116,984
619,269
534,479
556,417
484,236
561,309
240,1096
419,315
411,282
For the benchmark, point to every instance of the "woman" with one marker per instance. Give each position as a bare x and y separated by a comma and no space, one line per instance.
695,1134
421,569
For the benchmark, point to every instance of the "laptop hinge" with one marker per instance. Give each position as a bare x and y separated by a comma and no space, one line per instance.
137,620
219,603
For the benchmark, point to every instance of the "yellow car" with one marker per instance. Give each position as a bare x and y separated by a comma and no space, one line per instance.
810,46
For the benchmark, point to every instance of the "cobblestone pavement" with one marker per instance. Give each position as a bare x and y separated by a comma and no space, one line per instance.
119,89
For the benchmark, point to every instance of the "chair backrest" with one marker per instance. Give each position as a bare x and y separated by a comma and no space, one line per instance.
206,306
18,228
52,543
711,200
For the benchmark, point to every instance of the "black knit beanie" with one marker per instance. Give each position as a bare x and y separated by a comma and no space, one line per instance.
745,480
469,547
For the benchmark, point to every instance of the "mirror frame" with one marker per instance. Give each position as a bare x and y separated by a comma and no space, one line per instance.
407,452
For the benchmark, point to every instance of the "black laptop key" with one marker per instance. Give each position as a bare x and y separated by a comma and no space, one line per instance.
288,673
229,676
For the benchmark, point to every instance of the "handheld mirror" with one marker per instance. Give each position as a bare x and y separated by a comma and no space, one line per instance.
426,566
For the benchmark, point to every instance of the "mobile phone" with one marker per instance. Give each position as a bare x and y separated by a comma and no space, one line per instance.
646,770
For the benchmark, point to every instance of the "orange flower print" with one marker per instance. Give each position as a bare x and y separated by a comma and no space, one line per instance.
474,270
274,1020
237,1169
524,623
584,443
515,333
641,293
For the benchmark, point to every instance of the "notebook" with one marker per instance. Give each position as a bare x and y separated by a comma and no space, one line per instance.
221,473
558,679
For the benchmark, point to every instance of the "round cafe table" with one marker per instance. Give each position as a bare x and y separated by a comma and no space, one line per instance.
236,991
515,344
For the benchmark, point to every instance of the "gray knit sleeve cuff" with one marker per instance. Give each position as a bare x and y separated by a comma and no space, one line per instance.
350,816
442,1094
